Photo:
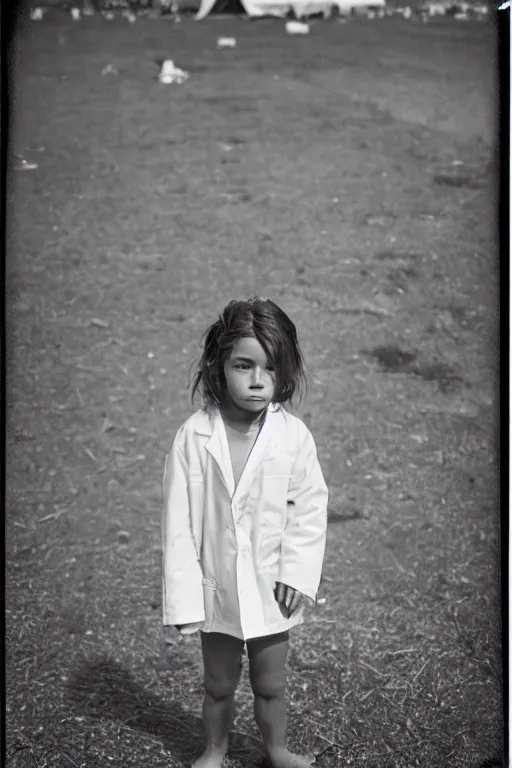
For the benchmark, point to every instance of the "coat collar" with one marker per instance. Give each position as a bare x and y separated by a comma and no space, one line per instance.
206,422
211,425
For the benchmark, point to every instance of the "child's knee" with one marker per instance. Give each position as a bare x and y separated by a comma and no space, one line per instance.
268,685
267,659
220,688
222,657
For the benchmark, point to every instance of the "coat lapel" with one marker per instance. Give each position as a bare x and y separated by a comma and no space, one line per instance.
218,447
257,455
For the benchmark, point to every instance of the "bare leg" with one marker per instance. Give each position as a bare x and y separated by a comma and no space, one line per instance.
222,666
267,658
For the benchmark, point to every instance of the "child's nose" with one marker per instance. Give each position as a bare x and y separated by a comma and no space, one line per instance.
256,378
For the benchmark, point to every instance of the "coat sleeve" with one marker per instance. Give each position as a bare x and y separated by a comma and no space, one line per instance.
182,577
304,538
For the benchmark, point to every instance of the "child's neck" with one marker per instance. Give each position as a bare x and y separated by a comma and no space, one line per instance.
241,420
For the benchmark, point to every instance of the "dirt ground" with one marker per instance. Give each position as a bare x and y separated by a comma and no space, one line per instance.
350,175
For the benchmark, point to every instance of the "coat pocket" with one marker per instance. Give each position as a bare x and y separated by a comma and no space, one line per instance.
273,500
273,518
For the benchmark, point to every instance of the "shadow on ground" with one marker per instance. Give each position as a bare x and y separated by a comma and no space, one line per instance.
102,689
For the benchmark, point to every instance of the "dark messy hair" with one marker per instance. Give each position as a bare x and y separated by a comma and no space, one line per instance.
263,320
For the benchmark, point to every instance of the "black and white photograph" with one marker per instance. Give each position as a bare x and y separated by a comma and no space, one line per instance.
255,257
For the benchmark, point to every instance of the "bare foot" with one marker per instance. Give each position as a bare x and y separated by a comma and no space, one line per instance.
284,759
212,757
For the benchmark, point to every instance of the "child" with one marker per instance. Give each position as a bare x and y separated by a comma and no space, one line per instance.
244,520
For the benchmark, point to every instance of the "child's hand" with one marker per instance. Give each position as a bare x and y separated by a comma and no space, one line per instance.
288,599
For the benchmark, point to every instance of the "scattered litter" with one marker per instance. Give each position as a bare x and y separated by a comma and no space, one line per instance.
151,355
97,323
129,16
108,15
75,14
171,74
321,601
226,42
297,28
109,70
36,14
24,165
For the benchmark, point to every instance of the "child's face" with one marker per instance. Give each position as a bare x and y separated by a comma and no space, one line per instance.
250,378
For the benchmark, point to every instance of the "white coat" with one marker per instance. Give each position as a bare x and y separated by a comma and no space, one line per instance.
224,549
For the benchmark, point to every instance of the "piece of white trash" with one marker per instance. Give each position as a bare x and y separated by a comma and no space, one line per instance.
297,28
75,14
24,165
172,74
36,14
226,42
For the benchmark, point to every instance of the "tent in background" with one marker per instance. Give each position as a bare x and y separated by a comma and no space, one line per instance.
256,8
224,7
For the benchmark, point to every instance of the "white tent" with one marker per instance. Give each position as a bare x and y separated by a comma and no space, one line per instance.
257,8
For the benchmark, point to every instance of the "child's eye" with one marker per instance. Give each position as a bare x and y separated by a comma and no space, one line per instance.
242,366
270,368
